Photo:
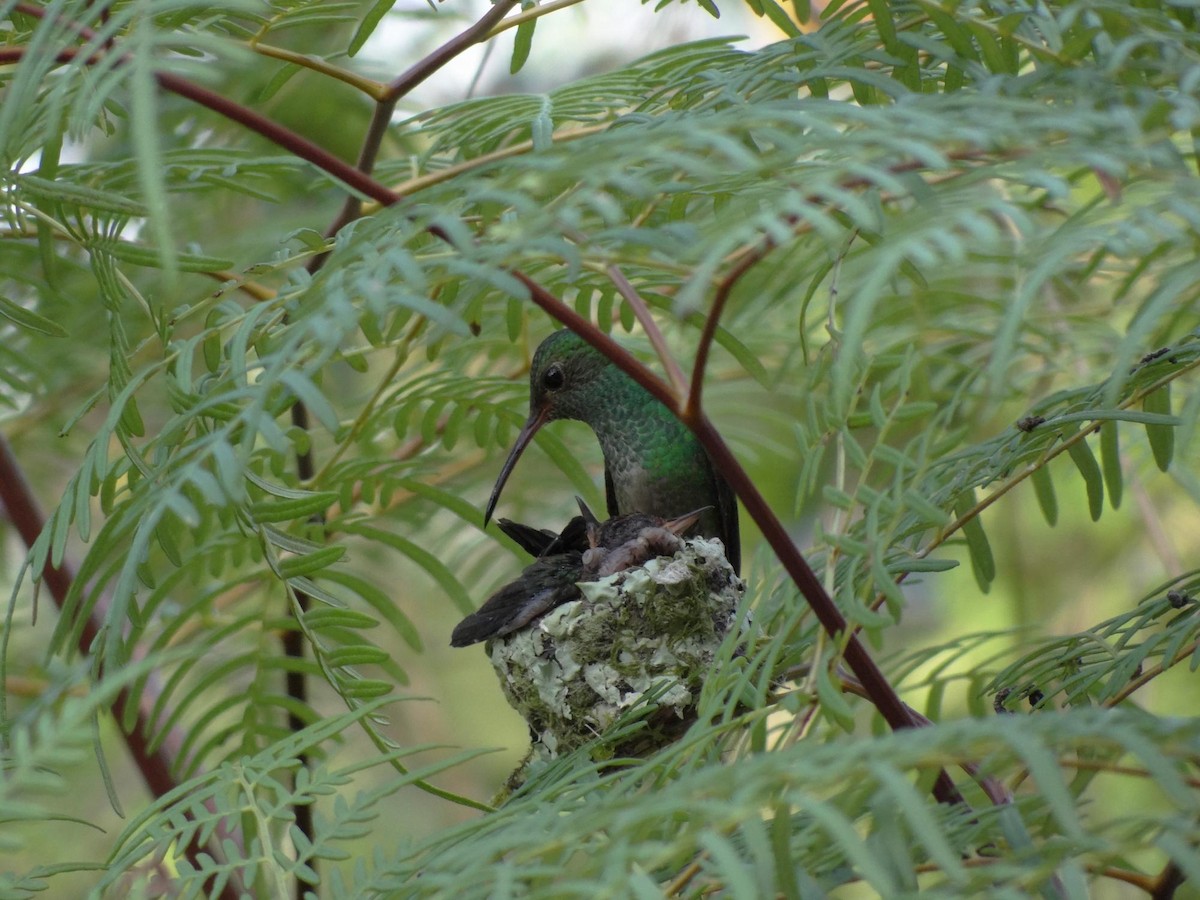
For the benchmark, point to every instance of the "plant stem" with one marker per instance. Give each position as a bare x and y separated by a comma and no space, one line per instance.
23,511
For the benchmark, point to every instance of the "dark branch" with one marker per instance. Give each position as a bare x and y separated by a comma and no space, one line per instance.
692,407
155,766
1167,882
284,137
293,640
476,34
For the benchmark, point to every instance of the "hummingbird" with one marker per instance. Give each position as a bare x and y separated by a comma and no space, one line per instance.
652,463
552,579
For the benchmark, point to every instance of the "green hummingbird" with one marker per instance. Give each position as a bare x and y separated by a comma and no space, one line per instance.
563,561
652,463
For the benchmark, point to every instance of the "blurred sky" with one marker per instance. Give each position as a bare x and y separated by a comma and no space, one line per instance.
593,36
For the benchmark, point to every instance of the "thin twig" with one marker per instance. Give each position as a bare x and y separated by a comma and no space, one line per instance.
279,134
294,639
746,258
535,13
1156,532
680,882
642,313
1153,672
429,179
373,89
1013,481
292,643
436,60
352,207
1096,765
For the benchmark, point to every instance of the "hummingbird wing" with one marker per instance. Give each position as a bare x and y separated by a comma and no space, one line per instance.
727,512
548,583
610,492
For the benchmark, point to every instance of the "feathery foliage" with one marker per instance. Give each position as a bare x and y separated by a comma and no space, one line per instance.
948,254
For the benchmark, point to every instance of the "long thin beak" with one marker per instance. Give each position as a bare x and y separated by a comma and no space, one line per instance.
536,420
679,526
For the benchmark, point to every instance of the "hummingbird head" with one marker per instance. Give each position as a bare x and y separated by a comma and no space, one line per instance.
563,382
566,374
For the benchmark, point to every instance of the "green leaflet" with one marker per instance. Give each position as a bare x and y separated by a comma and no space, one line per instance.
81,195
983,564
26,318
1110,462
297,566
1160,435
370,21
153,257
1085,461
1043,489
522,44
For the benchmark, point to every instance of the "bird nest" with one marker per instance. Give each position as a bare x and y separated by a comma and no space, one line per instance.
651,631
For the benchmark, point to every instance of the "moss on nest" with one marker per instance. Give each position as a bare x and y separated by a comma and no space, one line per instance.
650,629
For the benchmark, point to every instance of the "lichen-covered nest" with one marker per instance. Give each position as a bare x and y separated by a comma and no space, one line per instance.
650,629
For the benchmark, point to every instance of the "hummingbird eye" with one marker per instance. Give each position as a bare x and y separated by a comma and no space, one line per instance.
554,378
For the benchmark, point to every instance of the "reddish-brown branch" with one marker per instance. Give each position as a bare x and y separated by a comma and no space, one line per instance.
155,766
1167,882
284,137
476,34
259,124
294,641
381,118
38,13
692,407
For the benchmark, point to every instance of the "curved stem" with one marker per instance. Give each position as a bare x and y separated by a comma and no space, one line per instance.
692,406
476,34
642,312
372,89
529,14
284,137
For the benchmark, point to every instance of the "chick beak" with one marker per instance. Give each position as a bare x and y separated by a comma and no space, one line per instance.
592,523
679,526
537,418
